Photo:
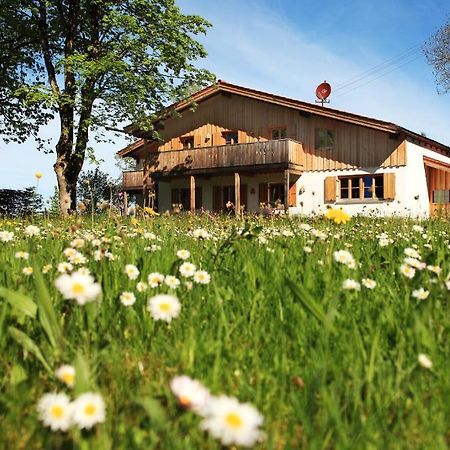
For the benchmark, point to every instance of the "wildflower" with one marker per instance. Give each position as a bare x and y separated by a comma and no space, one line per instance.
413,262
66,374
368,283
149,236
131,271
418,228
77,258
412,253
307,249
38,175
64,267
435,269
32,230
150,211
187,269
425,361
155,279
22,255
200,233
233,422
407,271
27,271
78,286
46,268
345,257
337,215
202,277
183,254
421,294
191,394
171,281
141,286
189,285
55,411
164,307
127,298
6,236
77,243
88,410
351,285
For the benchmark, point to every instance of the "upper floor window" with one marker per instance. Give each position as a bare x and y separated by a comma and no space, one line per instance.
324,139
188,142
231,137
278,133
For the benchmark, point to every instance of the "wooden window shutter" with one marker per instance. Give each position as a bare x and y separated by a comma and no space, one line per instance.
174,197
389,186
262,192
198,197
217,198
330,189
293,194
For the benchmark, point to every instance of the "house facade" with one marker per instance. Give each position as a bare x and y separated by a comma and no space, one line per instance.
233,145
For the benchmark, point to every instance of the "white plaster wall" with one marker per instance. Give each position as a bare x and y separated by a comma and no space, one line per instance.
411,189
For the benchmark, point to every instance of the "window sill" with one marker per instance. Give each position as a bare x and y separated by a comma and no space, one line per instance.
362,202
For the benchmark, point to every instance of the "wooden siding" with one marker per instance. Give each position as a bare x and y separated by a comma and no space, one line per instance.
133,179
355,146
283,153
437,179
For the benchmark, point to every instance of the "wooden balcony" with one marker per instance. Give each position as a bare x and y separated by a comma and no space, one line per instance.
261,156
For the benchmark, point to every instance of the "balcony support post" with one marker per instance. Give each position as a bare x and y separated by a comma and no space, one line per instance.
286,191
237,194
125,203
192,193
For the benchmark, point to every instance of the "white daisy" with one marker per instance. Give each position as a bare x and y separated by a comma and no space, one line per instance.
421,294
141,286
191,394
425,361
369,283
131,271
32,230
164,307
66,374
88,410
64,267
155,279
171,281
22,255
6,236
55,411
78,286
187,269
407,271
183,254
46,268
233,422
351,285
127,298
345,257
27,271
202,277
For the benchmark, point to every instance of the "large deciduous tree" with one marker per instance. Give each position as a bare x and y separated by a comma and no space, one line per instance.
437,52
92,64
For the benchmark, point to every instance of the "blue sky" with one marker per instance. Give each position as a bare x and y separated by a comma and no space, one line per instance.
287,48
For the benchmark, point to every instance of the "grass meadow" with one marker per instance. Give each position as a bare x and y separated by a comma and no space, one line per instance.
346,350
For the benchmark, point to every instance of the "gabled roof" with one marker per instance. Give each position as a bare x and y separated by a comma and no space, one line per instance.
228,88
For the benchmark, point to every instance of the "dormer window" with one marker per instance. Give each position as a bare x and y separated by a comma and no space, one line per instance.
231,137
188,142
278,133
324,139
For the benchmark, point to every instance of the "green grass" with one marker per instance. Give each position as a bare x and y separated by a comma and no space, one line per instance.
328,368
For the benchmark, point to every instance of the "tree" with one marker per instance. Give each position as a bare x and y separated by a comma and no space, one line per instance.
437,52
92,64
23,202
95,185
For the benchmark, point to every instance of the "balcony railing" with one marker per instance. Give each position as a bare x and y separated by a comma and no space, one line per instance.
263,155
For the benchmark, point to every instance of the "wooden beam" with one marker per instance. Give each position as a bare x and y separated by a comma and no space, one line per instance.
192,193
125,202
286,191
237,194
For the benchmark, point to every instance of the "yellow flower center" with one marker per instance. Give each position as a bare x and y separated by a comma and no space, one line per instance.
57,411
165,307
234,420
77,288
89,410
68,378
185,401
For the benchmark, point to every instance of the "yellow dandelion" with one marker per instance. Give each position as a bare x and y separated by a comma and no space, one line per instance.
38,175
338,216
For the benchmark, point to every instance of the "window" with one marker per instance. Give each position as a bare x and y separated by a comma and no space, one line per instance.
188,142
361,187
324,139
231,137
278,133
441,196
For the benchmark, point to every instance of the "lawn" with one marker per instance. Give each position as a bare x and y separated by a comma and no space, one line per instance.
337,334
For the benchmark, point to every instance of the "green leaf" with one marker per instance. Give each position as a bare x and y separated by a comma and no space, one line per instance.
47,313
18,374
29,345
19,302
82,375
306,300
154,410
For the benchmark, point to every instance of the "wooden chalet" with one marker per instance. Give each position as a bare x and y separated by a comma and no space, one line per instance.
230,144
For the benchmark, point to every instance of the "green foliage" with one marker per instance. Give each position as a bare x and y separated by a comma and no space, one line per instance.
16,202
327,367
